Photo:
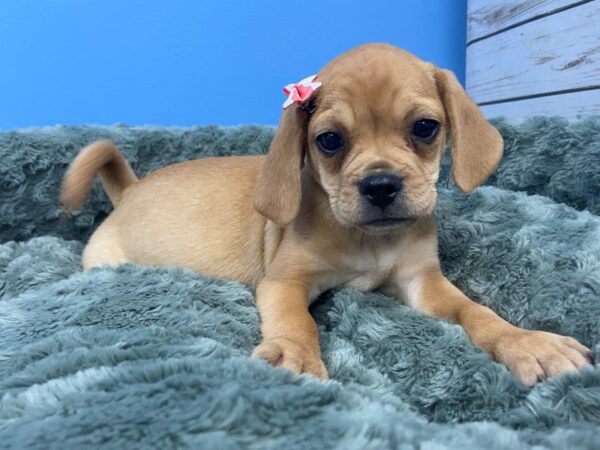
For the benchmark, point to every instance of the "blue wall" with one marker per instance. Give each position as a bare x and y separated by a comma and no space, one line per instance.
185,62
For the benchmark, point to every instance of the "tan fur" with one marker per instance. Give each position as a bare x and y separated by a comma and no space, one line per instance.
476,148
282,168
99,158
293,224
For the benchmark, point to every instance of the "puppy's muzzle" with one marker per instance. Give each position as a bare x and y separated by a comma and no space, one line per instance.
380,190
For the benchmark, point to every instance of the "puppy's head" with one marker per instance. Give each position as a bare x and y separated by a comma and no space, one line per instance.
373,136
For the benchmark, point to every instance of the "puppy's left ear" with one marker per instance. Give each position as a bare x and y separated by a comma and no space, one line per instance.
476,145
278,189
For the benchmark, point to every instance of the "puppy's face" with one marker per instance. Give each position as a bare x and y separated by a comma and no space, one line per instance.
376,137
373,136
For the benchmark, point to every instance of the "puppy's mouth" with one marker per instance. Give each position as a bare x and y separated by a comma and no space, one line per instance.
389,222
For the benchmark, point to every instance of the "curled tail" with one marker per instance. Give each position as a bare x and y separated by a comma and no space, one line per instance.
101,158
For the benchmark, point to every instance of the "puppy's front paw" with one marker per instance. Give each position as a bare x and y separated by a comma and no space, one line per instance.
533,356
284,352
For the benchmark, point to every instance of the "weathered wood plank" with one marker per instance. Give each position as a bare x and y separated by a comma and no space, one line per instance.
488,16
552,54
566,105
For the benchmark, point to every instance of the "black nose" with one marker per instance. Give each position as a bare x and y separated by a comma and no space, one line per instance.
381,189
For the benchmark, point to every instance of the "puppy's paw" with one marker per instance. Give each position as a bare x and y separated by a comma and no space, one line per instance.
284,352
533,356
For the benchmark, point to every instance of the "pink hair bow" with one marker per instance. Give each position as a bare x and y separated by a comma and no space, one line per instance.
301,91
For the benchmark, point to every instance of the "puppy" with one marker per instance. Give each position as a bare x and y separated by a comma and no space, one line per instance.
345,197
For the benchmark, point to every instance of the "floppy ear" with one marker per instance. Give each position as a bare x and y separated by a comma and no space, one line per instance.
278,190
476,145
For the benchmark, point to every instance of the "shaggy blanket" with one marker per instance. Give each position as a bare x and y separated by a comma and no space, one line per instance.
139,357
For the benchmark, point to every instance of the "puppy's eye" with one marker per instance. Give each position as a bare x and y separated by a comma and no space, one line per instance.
330,143
425,129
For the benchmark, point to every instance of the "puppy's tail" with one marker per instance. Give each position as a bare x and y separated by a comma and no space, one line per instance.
99,158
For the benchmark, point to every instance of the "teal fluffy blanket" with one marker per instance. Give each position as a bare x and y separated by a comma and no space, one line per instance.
145,357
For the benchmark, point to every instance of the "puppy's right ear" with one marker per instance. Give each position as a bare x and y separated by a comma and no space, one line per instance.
278,190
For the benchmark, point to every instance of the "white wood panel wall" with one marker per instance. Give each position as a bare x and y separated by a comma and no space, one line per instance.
534,57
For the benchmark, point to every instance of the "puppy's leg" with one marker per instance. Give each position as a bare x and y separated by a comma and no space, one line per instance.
290,335
103,249
530,355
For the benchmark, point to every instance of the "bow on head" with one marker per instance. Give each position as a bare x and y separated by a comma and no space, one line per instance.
301,91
